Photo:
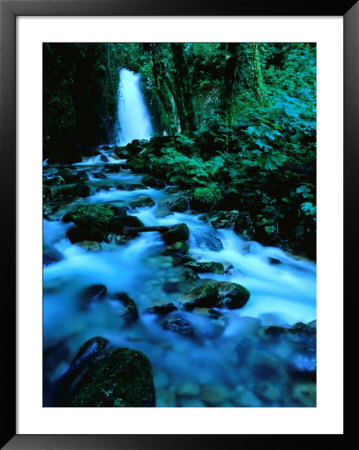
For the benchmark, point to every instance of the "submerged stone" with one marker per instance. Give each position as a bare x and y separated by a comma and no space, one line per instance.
177,249
51,255
180,326
123,378
95,292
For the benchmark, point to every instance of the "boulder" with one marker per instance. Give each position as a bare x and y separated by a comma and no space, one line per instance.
142,202
95,292
217,294
180,205
180,326
161,309
79,234
177,249
88,353
153,182
206,267
123,378
176,233
130,313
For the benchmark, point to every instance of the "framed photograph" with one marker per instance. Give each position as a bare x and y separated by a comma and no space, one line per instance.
173,228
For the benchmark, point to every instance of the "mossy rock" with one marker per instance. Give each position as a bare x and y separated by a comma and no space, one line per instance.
231,295
177,249
142,202
217,294
138,164
68,191
206,267
123,378
221,219
135,187
203,296
150,180
98,216
176,233
203,199
180,205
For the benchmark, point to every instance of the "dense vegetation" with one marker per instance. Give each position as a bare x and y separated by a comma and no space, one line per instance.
240,120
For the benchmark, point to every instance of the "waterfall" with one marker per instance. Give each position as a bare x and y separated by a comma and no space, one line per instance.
132,115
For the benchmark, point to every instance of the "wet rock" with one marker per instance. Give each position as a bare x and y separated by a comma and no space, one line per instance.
208,241
95,292
88,353
130,314
177,249
165,398
94,215
221,219
71,177
190,403
91,246
66,192
79,234
176,233
247,398
268,392
104,189
203,199
206,267
99,175
273,261
135,187
123,378
188,389
203,296
231,295
104,158
138,164
215,394
172,190
112,168
218,294
51,255
153,182
244,226
142,201
162,309
162,379
170,287
180,326
180,205
305,394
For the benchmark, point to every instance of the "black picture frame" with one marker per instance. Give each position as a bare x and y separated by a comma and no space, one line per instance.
9,10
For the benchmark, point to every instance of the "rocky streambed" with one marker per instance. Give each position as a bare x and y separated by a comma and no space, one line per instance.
150,303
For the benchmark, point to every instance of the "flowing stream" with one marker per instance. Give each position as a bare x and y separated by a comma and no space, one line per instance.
229,354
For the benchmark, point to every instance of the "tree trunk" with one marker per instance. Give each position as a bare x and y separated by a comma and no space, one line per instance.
257,74
182,91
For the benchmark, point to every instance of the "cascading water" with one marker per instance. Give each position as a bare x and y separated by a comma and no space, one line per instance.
133,117
231,361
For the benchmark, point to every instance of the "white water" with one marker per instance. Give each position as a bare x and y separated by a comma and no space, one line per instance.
133,117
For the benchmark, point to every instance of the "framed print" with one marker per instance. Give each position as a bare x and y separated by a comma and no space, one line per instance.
173,282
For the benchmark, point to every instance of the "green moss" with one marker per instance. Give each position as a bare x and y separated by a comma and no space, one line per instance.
204,198
98,216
